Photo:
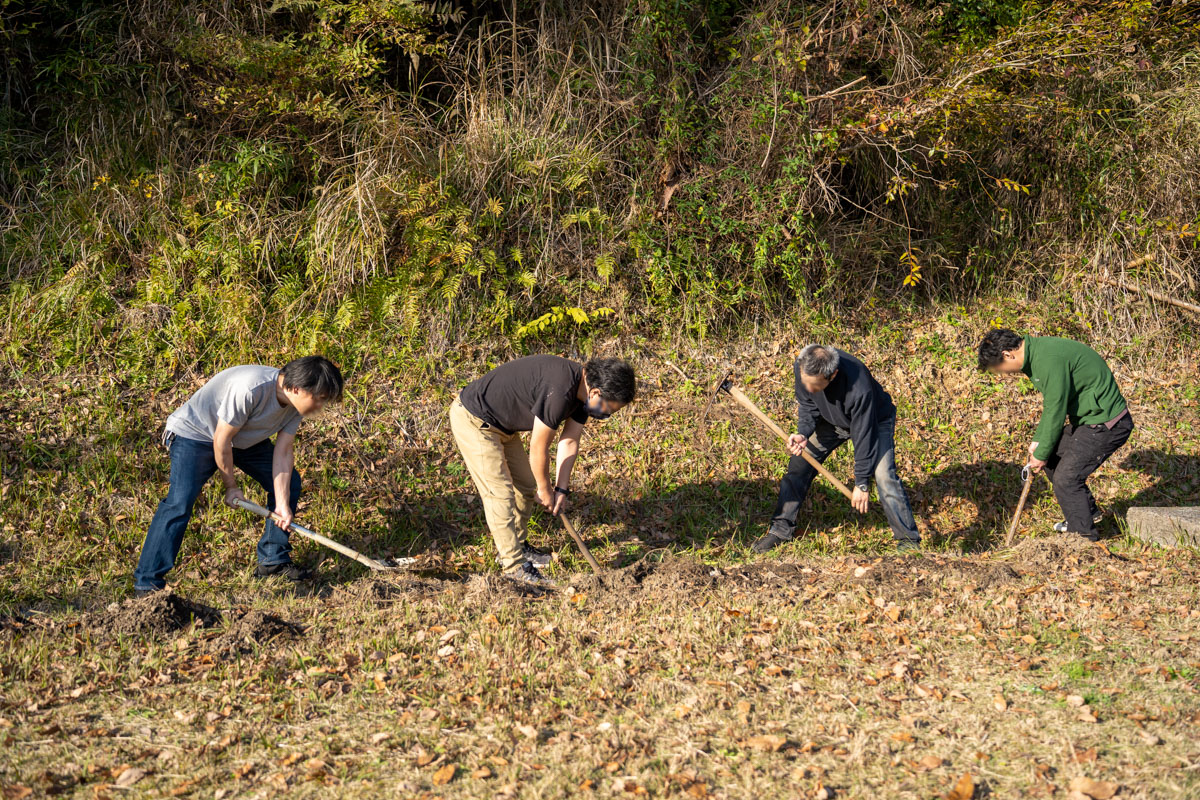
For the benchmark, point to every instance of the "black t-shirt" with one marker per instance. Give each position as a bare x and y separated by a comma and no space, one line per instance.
512,394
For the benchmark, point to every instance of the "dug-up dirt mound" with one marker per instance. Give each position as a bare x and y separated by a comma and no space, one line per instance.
682,576
1055,552
679,573
254,628
916,575
156,614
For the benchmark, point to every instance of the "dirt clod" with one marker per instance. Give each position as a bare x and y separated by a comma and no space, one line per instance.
159,613
253,628
1053,552
914,575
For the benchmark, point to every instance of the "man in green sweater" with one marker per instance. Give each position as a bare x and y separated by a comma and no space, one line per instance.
1076,386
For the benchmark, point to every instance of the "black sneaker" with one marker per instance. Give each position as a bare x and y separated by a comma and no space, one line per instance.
908,545
286,570
768,541
528,574
140,593
539,558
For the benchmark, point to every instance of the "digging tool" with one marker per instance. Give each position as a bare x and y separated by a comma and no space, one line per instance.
382,566
726,385
1027,479
583,548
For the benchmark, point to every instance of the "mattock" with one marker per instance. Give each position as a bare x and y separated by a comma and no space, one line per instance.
726,385
384,565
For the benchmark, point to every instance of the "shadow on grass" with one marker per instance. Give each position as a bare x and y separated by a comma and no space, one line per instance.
1176,480
732,513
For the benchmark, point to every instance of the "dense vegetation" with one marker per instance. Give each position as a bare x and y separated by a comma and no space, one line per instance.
187,183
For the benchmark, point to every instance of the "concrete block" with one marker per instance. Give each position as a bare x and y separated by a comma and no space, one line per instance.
1172,526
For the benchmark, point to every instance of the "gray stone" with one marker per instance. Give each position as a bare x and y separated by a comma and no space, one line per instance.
1177,526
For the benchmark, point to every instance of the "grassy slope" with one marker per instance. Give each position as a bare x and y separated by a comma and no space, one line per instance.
685,673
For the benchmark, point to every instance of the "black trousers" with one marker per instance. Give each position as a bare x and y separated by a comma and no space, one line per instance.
1080,452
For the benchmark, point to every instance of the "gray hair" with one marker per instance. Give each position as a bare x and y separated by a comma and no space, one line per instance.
818,359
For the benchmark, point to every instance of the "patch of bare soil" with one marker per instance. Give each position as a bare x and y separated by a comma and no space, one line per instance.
1055,552
253,629
400,586
679,575
156,614
915,575
492,589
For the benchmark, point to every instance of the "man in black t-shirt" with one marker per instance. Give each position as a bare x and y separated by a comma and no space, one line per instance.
536,394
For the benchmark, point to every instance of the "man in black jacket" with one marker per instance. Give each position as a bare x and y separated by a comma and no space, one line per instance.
840,400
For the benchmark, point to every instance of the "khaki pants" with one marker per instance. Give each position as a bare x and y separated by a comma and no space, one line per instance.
500,468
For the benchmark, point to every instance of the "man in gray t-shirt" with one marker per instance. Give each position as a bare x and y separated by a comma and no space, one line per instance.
229,423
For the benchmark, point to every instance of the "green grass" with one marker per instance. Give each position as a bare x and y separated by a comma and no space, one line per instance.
660,686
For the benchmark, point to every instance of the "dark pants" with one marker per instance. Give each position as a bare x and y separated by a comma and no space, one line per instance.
1080,452
192,464
825,439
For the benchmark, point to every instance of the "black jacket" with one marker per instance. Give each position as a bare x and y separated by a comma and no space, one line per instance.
853,401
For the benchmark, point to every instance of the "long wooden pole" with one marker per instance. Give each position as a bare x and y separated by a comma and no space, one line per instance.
583,548
749,405
322,540
1012,528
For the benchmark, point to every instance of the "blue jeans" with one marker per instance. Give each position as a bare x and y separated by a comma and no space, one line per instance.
192,464
825,439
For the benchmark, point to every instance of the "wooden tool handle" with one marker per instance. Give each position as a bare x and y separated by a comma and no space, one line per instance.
1012,528
748,404
311,534
583,548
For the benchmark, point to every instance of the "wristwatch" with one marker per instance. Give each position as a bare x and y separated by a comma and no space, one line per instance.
863,487
560,490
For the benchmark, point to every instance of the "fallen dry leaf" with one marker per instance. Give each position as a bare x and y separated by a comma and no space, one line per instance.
964,788
185,787
130,776
1097,790
930,762
769,743
481,773
1075,700
17,791
424,757
1085,756
444,775
380,737
999,703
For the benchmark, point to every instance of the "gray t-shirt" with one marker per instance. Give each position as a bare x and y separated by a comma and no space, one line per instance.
245,398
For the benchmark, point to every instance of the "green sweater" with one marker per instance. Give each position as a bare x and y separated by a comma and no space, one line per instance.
1075,383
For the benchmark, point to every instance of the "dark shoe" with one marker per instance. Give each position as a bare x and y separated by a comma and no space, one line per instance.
528,574
286,570
768,541
1061,527
908,545
539,558
140,593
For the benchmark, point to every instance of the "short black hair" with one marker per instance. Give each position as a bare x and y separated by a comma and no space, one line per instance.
316,375
613,377
995,343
